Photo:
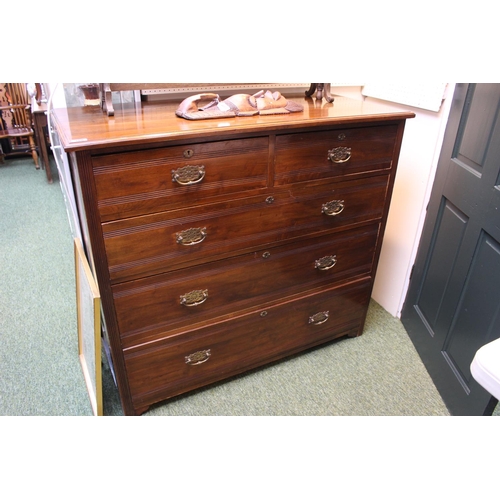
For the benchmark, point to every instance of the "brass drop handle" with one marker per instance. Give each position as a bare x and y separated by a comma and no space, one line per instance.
319,318
194,298
191,236
326,262
333,207
190,174
339,155
198,357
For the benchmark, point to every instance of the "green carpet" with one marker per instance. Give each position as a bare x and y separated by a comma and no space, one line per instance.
39,366
378,373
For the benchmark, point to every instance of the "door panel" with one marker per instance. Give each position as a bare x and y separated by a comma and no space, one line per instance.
450,227
476,318
453,302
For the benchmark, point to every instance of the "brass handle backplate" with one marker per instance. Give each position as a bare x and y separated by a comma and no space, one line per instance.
190,174
319,318
326,262
333,207
194,298
198,357
191,236
339,155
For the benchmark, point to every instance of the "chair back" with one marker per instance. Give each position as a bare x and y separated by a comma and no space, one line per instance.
16,127
18,99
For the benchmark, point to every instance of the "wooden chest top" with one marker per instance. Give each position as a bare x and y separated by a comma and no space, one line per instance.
89,127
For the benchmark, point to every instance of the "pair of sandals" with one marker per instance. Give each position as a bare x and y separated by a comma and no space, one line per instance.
261,103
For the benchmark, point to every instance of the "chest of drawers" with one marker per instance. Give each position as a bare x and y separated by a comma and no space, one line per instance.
222,245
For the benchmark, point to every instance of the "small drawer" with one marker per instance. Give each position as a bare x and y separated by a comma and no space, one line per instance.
145,308
340,152
192,359
167,241
141,182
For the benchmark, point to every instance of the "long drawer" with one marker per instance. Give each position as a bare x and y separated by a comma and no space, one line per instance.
141,182
333,153
163,242
201,356
148,307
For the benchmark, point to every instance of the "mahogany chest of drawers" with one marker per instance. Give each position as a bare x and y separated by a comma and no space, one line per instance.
222,245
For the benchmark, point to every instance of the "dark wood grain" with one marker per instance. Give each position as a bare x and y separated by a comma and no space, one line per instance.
150,308
159,370
140,246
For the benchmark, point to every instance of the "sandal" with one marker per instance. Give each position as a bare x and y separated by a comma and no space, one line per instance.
261,103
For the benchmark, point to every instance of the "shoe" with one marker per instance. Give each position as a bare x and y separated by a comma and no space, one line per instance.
261,103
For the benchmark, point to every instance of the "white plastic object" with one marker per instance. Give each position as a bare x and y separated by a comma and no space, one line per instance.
485,367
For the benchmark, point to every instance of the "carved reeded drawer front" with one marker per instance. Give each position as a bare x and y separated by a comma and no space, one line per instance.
169,367
141,182
146,245
147,308
339,152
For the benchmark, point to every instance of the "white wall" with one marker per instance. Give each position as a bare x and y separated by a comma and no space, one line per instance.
56,92
416,171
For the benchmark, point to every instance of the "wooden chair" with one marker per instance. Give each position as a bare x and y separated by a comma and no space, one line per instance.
16,121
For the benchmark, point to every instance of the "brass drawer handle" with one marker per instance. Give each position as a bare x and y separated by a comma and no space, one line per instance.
333,207
191,236
326,262
198,357
190,174
339,155
319,318
194,298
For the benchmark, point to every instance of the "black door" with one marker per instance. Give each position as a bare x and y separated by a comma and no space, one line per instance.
453,303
